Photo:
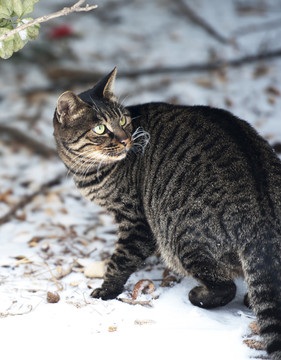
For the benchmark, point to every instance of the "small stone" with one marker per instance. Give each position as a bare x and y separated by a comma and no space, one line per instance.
52,297
95,270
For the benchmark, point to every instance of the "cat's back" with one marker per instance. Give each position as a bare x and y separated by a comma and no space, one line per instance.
205,160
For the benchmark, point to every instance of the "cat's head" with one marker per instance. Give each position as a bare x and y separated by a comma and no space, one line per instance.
93,127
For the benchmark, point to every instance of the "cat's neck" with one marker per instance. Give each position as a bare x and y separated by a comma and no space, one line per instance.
93,176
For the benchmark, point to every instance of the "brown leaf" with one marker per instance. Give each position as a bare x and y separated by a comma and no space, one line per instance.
272,90
261,70
21,217
5,197
143,287
35,240
112,328
204,82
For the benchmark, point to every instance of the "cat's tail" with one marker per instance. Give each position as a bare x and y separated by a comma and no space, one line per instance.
261,263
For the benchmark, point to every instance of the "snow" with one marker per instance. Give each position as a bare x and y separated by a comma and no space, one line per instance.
58,232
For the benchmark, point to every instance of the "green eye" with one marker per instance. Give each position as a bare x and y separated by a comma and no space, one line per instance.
100,129
123,121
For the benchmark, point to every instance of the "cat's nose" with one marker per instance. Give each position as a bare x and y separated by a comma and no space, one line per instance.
122,138
125,142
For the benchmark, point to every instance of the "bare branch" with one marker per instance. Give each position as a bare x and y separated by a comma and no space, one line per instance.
66,77
245,30
198,20
136,302
65,11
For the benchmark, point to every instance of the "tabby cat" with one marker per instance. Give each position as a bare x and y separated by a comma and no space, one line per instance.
194,182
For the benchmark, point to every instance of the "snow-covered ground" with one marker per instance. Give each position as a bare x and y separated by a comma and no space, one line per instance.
47,244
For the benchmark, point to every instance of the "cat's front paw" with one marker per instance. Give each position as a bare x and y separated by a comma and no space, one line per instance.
105,294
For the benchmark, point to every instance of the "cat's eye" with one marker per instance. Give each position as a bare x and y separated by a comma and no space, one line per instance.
99,129
123,121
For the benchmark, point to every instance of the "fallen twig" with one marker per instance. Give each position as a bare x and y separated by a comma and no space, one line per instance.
30,308
65,11
136,302
54,279
28,198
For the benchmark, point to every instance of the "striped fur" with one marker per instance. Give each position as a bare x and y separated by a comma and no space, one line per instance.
205,192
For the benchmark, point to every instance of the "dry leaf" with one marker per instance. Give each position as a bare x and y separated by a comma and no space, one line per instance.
272,90
5,197
205,82
53,198
35,240
143,287
49,212
271,100
261,70
21,217
97,238
22,260
112,328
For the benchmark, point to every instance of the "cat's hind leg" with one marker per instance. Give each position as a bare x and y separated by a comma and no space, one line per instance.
212,296
216,289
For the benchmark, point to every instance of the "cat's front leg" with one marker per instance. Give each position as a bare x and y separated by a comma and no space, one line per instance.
135,244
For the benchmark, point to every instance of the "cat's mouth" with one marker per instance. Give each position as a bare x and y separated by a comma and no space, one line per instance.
122,152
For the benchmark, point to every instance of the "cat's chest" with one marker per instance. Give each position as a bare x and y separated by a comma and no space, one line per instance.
114,191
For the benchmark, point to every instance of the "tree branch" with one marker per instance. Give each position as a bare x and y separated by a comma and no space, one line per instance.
245,30
66,77
198,20
65,11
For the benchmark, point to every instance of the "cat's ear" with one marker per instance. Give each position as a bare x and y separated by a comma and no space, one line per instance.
105,87
68,106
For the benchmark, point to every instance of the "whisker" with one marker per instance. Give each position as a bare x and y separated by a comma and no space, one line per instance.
144,138
95,106
81,160
136,117
122,102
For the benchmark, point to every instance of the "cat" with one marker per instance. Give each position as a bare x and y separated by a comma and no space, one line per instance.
193,182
